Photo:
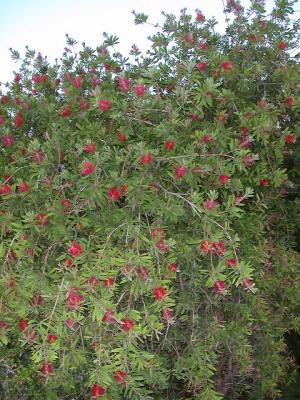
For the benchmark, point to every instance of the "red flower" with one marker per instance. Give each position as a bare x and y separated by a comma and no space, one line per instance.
104,105
121,377
51,338
227,65
207,138
290,139
140,90
5,189
159,293
84,105
122,137
210,204
282,45
7,140
194,117
216,73
108,282
167,314
75,249
202,66
90,148
248,283
220,248
71,324
188,37
87,168
73,299
19,120
143,273
93,281
162,246
66,112
97,391
42,219
202,46
207,246
23,187
200,16
245,142
181,171
22,325
264,182
248,160
37,300
109,317
123,84
224,179
47,368
172,267
157,234
114,193
146,159
77,82
4,99
123,189
18,77
290,101
2,120
231,262
219,287
169,144
68,262
127,325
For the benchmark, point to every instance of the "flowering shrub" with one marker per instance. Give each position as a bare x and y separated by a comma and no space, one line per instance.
148,226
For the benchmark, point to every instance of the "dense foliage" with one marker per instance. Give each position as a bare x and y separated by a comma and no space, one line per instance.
148,214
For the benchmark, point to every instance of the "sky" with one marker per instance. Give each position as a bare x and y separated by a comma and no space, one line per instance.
42,24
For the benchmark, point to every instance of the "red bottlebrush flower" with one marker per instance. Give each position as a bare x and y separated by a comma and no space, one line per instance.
4,100
87,168
216,73
167,314
207,138
71,324
97,391
84,105
173,267
159,293
74,299
22,325
143,273
66,112
222,118
75,249
95,82
93,281
224,179
248,283
2,120
194,117
121,377
77,82
244,130
18,77
202,46
231,262
290,101
207,247
127,325
227,65
68,263
181,171
123,84
37,300
200,16
219,287
248,160
38,157
123,188
42,219
118,70
202,66
220,248
169,144
114,193
7,140
23,187
290,139
245,142
11,256
90,148
140,90
122,137
47,368
210,204
264,182
157,234
5,190
109,317
19,120
108,282
163,246
105,105
282,45
51,338
146,159
188,37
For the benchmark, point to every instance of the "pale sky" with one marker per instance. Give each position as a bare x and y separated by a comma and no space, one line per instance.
42,24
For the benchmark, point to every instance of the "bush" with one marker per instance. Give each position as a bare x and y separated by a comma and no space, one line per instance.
148,226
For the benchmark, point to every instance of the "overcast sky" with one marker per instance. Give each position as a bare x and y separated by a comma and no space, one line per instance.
42,24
